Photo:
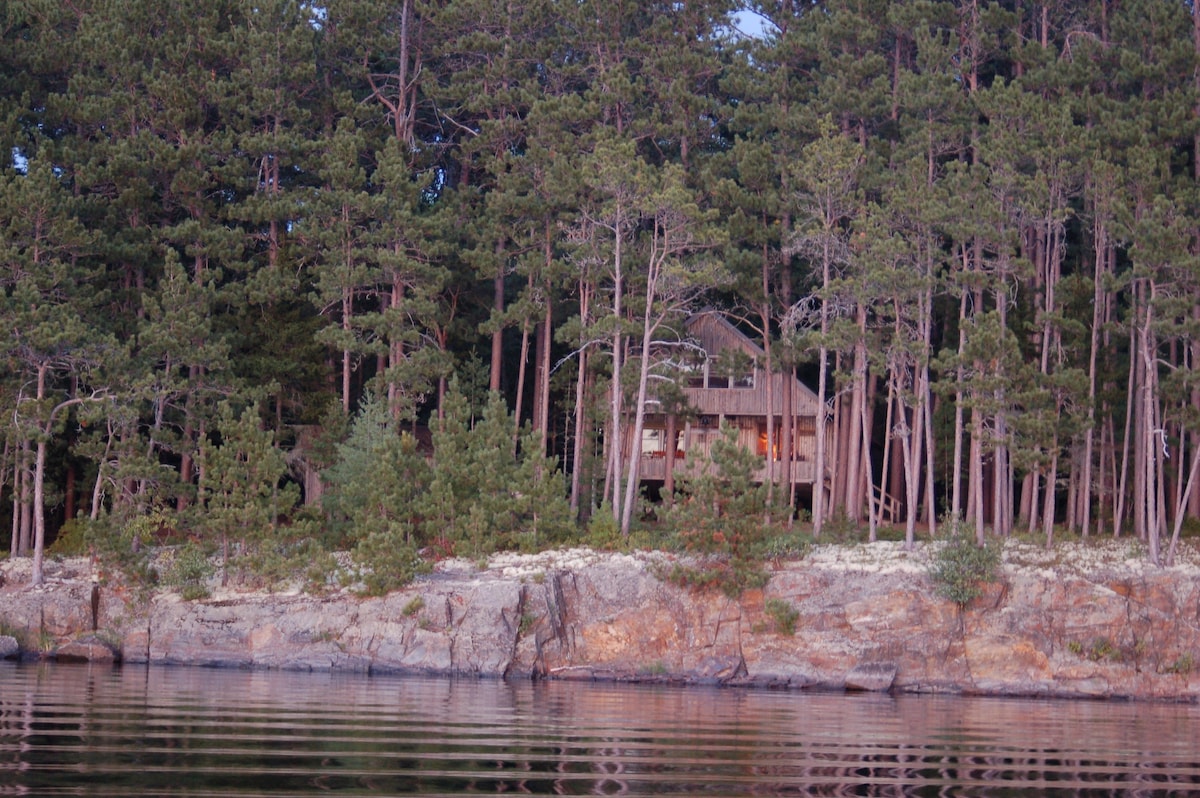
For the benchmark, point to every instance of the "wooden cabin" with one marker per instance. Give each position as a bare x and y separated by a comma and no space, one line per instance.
727,385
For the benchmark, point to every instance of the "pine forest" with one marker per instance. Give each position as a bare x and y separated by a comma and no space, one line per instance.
396,277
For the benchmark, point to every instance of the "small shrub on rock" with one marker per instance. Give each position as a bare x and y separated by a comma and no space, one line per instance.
1183,665
385,563
960,568
603,531
783,615
190,571
71,540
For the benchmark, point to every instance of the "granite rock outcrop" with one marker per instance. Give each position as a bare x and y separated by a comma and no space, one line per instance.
866,618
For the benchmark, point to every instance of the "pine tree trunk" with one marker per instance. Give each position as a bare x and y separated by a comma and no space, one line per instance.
39,486
1073,469
789,403
39,514
672,446
976,476
347,361
1181,506
580,398
396,348
767,368
818,499
497,363
1051,479
867,481
856,434
1099,273
959,431
925,409
1128,434
841,446
616,467
1192,507
1001,473
885,473
1108,471
639,413
1152,429
542,415
186,461
522,366
17,547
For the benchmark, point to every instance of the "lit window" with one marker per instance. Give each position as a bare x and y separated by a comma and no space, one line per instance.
653,442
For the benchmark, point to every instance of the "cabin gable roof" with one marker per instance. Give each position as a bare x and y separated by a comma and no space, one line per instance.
716,334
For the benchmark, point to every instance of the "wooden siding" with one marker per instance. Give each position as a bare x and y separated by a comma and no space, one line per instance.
749,401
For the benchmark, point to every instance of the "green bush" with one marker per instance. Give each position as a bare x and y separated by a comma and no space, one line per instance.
190,571
1183,665
123,543
838,528
1102,649
603,531
960,567
386,563
731,575
784,547
783,615
71,540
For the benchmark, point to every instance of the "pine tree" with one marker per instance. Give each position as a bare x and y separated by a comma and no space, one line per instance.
718,515
674,273
375,494
487,494
240,498
54,345
826,180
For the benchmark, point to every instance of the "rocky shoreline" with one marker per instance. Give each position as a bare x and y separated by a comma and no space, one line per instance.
1090,621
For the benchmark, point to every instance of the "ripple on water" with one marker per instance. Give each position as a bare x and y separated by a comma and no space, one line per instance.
159,731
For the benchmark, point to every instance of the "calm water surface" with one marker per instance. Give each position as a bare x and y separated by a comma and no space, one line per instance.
82,730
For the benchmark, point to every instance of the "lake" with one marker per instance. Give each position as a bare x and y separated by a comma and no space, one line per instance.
100,731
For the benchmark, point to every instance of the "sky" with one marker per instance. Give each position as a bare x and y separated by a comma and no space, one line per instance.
750,23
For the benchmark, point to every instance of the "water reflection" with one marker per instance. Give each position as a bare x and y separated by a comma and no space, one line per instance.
79,730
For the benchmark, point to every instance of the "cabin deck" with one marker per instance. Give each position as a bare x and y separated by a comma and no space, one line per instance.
653,468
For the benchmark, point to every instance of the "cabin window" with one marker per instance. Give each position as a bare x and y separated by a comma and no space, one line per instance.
735,367
694,374
710,375
654,442
806,425
762,441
